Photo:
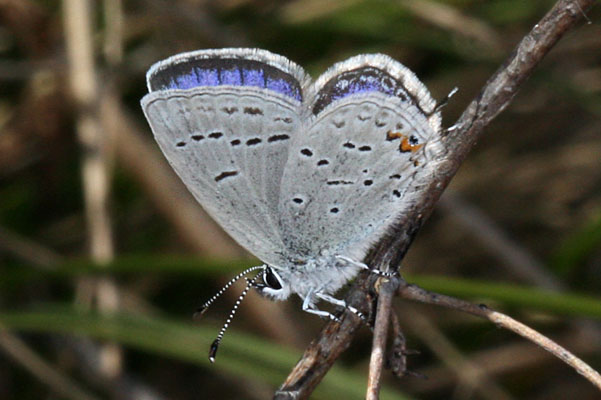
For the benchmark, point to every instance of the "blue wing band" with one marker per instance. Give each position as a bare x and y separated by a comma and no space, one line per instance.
191,73
357,81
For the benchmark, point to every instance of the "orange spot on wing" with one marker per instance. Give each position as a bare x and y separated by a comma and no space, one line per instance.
390,135
405,145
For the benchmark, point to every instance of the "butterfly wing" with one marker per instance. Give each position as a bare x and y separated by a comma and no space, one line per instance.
372,130
224,120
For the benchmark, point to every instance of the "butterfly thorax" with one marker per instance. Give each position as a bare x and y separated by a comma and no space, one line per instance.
324,275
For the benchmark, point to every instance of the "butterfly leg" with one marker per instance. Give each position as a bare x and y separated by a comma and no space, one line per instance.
310,308
342,303
366,267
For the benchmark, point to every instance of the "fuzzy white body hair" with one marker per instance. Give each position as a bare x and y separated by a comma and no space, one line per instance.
324,275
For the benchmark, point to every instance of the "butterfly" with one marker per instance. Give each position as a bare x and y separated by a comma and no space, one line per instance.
306,175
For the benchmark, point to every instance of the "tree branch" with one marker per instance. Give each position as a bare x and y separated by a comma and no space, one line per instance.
415,293
388,253
378,350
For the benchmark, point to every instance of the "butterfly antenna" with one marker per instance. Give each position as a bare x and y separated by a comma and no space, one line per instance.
201,310
217,341
444,101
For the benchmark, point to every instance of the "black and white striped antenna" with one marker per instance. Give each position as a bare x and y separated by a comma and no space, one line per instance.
217,341
202,309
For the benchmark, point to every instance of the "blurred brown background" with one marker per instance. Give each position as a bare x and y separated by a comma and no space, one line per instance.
104,256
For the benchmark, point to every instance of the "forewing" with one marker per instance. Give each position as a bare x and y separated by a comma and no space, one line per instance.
224,120
372,130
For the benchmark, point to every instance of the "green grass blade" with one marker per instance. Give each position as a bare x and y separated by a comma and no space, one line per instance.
514,295
240,354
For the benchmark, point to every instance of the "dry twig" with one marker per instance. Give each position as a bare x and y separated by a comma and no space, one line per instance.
412,292
378,349
95,161
470,376
498,361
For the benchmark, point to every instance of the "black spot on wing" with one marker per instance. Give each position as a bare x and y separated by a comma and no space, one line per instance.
277,138
225,174
253,111
337,182
229,110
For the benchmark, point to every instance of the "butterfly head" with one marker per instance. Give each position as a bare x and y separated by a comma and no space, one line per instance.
273,286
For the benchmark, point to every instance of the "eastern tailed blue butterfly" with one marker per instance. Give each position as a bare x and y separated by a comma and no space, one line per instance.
305,175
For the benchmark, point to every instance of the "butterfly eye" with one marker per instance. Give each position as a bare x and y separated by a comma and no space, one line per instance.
271,279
